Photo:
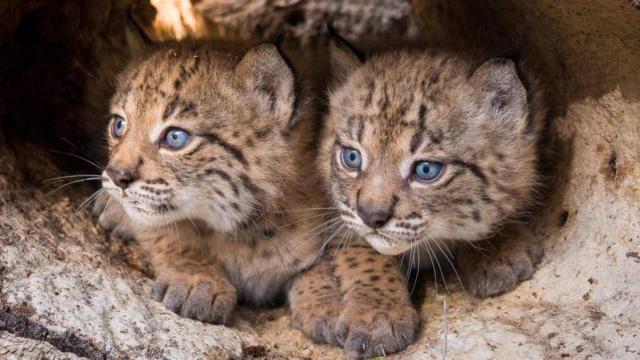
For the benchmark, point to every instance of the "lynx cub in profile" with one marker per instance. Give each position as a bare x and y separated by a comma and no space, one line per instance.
424,152
213,164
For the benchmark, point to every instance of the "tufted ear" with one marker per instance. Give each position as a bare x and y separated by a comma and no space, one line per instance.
344,57
264,73
502,93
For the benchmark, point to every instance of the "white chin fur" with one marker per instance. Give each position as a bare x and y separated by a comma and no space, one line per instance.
386,246
147,220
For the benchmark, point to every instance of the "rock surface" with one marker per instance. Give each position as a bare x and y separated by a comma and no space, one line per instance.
68,292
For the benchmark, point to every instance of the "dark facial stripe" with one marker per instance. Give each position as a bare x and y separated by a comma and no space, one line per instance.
189,108
448,182
234,151
171,107
416,140
422,112
384,101
249,185
196,149
185,73
435,138
418,137
473,168
371,87
225,177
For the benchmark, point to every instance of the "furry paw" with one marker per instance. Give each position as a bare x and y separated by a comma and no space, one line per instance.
317,321
496,273
368,331
112,218
205,300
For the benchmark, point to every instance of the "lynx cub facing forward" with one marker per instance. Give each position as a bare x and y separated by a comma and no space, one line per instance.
213,164
424,152
208,150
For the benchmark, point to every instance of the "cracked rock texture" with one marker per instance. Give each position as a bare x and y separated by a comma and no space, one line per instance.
68,292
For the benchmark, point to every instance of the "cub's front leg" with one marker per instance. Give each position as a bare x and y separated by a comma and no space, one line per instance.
316,302
378,316
503,262
187,282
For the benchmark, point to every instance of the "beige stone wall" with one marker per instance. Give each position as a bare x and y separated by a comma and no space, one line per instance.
67,291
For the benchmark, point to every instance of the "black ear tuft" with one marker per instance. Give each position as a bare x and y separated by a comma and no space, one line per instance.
265,73
344,56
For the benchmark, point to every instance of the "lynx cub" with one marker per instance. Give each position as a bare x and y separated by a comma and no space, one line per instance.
424,152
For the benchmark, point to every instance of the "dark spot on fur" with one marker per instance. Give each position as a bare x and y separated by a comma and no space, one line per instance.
612,165
262,133
268,233
564,216
486,199
157,181
500,100
476,215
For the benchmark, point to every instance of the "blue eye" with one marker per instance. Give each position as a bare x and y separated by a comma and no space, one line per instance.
118,126
428,171
176,138
351,158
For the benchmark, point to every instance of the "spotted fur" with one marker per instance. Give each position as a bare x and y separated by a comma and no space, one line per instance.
483,123
214,216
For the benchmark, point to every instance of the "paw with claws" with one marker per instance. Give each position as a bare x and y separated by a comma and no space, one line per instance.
511,260
368,331
317,321
211,300
316,303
